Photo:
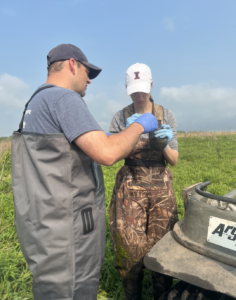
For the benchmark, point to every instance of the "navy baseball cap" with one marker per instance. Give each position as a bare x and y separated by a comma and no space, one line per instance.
67,51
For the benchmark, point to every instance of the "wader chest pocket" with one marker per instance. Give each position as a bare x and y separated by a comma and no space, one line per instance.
87,218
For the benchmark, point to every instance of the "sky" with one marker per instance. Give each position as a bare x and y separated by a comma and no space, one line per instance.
190,47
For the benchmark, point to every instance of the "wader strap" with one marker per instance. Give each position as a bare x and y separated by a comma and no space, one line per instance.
26,105
144,163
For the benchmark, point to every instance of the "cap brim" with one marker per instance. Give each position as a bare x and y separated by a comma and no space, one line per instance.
171,258
94,71
144,87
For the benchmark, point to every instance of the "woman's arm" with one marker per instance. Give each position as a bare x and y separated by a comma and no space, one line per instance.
171,152
171,156
117,122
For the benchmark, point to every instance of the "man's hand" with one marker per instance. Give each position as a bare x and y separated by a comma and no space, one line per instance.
164,133
148,121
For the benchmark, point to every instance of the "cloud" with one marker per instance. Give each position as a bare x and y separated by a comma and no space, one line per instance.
201,94
169,24
105,126
94,98
103,106
202,106
13,91
196,107
8,12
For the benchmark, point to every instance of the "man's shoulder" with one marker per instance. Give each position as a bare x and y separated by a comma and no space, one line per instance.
54,95
57,90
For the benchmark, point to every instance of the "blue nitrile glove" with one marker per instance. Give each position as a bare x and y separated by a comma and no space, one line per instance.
108,134
148,121
164,133
132,119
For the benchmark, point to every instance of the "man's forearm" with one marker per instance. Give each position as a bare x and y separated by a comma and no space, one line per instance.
121,144
171,156
106,150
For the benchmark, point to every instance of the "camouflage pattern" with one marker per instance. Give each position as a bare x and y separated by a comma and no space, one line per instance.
142,149
142,210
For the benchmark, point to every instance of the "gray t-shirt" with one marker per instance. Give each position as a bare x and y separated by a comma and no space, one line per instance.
59,110
118,124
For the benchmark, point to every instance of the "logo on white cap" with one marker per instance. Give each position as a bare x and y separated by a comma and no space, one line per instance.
136,75
138,79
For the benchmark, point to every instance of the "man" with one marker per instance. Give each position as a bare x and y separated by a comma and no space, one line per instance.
57,180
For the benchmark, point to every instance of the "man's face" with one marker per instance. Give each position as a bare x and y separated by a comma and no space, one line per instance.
81,80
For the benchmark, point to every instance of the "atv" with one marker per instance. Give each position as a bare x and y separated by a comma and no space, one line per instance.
201,249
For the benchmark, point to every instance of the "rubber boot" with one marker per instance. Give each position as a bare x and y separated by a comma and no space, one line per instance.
132,283
161,284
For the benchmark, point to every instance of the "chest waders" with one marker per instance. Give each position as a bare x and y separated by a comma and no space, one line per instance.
59,214
143,209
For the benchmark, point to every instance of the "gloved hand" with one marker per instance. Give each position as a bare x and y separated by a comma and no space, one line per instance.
132,119
148,121
164,132
108,134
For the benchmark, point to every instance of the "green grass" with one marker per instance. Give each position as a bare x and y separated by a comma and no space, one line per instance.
15,277
201,159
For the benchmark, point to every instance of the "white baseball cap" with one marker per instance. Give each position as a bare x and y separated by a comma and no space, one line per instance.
138,79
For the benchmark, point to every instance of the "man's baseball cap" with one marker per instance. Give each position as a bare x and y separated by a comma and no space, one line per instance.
67,51
138,79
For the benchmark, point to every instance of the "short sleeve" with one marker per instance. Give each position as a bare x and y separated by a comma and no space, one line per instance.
169,119
73,116
117,122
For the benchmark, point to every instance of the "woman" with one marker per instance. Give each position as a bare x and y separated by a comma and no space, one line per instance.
143,205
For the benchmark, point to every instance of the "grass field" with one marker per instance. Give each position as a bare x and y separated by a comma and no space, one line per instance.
203,156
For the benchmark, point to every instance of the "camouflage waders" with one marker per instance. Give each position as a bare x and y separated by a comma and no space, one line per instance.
142,210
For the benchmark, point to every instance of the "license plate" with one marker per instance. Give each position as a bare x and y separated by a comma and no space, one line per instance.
222,233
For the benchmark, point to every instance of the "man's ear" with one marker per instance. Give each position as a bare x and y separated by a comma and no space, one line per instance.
72,65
